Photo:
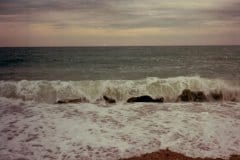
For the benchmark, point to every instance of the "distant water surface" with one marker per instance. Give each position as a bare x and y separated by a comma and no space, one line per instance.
113,63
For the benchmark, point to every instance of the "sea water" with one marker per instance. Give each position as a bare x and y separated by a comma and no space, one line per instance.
32,126
118,63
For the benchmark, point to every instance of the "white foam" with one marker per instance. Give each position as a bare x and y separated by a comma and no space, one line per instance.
121,90
86,131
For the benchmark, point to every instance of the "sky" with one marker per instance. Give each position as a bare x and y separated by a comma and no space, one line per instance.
119,22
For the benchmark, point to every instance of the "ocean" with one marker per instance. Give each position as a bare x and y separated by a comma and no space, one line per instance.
33,79
119,63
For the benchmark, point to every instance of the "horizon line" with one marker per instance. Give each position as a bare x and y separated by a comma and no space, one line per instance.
194,45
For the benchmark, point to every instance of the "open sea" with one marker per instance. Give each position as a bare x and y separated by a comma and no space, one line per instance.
119,63
33,79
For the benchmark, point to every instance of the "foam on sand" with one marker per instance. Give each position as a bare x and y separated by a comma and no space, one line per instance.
33,130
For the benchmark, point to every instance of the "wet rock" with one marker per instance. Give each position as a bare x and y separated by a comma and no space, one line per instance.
186,95
109,100
170,155
145,98
217,96
160,100
190,96
200,97
77,100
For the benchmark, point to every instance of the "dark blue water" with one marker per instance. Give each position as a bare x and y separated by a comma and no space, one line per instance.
101,63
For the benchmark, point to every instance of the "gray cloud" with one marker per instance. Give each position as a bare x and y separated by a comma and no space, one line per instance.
13,7
230,11
115,13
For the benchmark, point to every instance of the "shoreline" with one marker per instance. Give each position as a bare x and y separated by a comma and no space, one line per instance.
33,130
167,154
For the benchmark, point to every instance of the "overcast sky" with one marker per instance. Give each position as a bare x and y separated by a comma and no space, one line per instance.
119,22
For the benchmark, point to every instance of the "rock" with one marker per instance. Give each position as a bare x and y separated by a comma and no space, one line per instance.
144,98
77,100
186,95
200,97
190,96
217,96
109,100
160,100
167,154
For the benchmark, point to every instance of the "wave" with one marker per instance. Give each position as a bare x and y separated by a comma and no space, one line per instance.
121,90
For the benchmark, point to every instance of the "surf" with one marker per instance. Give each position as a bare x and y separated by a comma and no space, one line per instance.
120,90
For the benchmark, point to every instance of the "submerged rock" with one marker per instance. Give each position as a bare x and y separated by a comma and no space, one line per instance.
217,96
109,100
200,96
77,100
145,98
186,96
191,96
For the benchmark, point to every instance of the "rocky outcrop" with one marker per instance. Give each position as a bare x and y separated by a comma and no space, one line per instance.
170,155
200,96
145,98
216,96
190,96
77,100
109,100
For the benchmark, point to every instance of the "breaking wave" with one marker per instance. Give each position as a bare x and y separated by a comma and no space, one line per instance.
121,90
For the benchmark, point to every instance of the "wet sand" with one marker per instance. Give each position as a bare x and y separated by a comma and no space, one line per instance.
169,155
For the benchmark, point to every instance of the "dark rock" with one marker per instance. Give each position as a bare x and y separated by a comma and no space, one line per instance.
109,100
217,96
200,97
186,95
160,100
77,100
190,96
145,98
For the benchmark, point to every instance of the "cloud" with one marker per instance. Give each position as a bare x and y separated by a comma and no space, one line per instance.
228,12
13,7
232,10
119,14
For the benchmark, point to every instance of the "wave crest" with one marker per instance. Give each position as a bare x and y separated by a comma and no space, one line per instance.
121,90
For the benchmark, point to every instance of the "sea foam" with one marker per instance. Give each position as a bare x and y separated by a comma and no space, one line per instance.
33,130
121,90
